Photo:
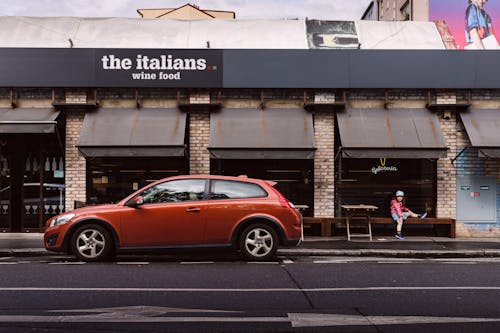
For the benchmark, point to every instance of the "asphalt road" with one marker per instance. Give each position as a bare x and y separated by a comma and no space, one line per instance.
197,293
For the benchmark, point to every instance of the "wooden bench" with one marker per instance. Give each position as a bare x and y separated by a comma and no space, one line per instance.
326,223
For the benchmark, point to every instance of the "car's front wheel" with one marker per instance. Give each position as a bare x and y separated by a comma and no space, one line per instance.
91,242
258,242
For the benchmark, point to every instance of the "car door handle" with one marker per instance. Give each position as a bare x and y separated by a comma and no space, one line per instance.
192,210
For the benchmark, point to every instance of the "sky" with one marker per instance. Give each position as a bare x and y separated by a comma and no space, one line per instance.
245,9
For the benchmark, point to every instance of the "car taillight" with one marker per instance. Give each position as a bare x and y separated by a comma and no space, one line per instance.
283,201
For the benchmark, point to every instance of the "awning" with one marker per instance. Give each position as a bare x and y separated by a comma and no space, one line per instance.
393,133
261,134
147,132
24,121
483,128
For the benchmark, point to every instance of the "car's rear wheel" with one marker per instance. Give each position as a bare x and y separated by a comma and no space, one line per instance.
258,242
91,242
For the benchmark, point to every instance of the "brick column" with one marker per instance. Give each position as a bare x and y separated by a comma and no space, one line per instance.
75,173
324,164
199,137
446,171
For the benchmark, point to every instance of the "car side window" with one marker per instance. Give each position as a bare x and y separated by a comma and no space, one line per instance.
229,189
175,191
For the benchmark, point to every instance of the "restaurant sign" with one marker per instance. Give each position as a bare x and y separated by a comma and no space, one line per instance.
383,168
160,68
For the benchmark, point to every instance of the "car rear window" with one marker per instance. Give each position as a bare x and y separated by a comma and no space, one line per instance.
229,189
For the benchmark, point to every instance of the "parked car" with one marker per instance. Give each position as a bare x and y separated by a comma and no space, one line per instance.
183,211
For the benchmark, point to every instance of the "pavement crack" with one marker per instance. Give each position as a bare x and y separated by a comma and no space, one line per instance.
367,318
297,284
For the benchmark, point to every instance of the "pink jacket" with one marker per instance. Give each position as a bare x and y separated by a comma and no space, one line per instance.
397,207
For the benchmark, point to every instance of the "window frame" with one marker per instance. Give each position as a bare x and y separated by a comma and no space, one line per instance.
212,184
205,192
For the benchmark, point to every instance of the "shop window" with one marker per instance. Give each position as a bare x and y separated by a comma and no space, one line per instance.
112,179
375,181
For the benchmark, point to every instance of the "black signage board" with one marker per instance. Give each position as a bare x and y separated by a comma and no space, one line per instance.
211,68
31,67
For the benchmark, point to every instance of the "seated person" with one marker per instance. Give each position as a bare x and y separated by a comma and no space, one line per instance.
400,212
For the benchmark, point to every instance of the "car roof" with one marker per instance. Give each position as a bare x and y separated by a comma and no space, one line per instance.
241,178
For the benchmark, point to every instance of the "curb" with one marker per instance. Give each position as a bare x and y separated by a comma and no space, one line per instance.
392,253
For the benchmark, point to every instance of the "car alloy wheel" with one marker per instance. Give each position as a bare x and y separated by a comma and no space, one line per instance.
259,242
91,243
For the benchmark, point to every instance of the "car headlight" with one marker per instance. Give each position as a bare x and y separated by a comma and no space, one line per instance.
62,219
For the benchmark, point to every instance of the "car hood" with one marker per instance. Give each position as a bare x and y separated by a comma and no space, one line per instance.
94,209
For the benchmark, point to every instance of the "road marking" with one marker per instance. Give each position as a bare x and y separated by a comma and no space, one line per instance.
253,290
8,263
5,258
395,262
319,319
458,262
331,261
68,263
263,262
287,261
133,263
196,262
294,319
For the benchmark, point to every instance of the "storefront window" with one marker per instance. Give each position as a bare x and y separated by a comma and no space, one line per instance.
375,181
4,191
112,179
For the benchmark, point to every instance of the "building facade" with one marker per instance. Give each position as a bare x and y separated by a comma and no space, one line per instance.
397,10
330,127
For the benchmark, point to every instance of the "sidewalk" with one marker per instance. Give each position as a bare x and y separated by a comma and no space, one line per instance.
27,244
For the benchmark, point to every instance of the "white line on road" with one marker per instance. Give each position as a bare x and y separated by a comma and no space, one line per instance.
332,262
8,263
133,263
263,262
68,263
253,290
395,262
196,262
5,258
287,261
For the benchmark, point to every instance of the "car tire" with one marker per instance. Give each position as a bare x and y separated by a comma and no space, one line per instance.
91,242
258,242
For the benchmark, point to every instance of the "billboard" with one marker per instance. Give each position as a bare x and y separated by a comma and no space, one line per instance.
471,22
332,34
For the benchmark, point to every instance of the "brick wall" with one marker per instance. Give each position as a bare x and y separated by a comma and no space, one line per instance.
75,173
199,137
199,98
446,172
324,133
76,96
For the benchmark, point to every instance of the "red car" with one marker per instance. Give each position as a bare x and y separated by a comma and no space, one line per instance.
185,211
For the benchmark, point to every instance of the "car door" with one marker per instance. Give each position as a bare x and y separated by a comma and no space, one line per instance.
172,213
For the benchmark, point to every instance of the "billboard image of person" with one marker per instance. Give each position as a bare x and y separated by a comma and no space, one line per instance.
471,22
478,26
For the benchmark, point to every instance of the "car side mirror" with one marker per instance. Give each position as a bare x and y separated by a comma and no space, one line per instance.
137,201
